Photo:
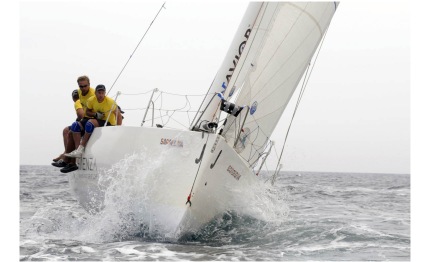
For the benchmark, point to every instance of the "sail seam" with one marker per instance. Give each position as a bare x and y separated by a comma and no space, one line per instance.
286,61
309,15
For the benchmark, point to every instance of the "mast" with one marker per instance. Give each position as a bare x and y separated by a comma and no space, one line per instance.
211,103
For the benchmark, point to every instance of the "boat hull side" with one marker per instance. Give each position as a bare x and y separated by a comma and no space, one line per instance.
162,165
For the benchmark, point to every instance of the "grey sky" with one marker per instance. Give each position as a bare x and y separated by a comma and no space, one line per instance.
354,116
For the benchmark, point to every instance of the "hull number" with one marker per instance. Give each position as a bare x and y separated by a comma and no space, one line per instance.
171,142
233,172
86,163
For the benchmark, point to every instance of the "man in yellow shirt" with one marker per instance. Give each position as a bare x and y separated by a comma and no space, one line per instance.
85,92
103,109
60,160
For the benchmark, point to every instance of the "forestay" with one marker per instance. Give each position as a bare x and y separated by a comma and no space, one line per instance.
279,49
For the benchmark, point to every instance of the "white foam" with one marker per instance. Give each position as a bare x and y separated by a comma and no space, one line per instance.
28,242
86,249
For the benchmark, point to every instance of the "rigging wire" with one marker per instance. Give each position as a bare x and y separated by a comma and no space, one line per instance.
305,82
170,112
136,47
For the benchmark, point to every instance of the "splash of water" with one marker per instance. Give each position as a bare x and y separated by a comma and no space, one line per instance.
129,208
128,211
259,210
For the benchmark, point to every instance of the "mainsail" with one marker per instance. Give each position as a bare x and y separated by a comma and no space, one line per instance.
280,47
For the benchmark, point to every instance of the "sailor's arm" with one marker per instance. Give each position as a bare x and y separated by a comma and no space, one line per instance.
118,117
80,113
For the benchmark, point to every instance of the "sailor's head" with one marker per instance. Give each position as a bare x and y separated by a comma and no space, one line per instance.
75,95
100,92
84,84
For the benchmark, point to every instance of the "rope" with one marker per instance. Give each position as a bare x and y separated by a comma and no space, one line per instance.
167,112
135,94
110,111
294,113
136,48
181,94
304,84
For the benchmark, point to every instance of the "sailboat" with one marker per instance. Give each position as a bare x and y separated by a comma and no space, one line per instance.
209,168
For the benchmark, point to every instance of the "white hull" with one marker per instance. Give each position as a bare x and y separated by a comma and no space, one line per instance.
159,166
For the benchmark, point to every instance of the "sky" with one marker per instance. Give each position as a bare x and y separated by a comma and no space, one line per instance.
354,116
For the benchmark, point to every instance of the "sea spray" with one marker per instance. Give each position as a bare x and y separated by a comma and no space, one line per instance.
133,205
131,202
135,193
136,205
261,208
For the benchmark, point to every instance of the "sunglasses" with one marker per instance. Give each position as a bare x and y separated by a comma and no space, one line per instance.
83,86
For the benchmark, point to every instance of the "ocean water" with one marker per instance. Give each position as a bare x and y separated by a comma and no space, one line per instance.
315,216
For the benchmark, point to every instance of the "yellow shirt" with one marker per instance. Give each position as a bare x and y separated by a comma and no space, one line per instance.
78,105
84,99
103,107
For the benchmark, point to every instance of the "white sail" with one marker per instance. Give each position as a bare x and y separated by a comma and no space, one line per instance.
211,103
282,44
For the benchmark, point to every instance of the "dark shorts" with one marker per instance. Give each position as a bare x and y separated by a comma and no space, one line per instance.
102,123
83,123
